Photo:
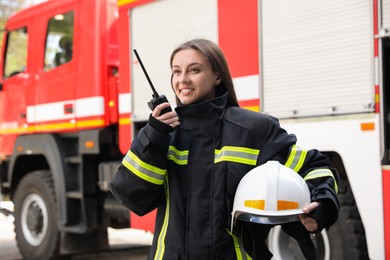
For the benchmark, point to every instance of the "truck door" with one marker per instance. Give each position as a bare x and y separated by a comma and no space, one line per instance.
14,89
55,78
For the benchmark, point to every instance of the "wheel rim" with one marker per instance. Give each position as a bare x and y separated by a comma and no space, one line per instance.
284,247
34,219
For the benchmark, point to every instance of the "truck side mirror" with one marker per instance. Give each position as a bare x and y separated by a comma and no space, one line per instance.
1,86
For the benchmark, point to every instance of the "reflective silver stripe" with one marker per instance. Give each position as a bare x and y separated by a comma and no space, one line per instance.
296,158
319,173
179,157
239,247
143,170
163,233
236,154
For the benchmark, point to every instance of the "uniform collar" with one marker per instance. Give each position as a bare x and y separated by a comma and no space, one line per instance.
209,108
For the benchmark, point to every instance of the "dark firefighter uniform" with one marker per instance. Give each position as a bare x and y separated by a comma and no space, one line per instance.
191,175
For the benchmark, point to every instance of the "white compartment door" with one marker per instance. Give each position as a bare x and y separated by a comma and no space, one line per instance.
156,29
317,57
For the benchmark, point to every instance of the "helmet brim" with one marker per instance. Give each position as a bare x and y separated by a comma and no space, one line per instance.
270,220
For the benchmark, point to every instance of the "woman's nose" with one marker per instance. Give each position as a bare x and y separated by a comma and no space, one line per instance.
184,78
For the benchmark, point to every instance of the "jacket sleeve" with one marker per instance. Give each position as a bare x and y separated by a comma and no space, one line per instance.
139,181
314,167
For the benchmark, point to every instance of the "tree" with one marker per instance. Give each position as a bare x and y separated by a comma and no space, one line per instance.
9,7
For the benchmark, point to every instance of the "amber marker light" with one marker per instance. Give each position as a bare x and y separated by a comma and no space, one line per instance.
367,126
89,144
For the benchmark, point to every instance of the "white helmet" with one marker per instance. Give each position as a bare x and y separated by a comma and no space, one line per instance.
270,194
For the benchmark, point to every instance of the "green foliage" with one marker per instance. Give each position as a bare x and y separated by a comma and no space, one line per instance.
16,60
8,8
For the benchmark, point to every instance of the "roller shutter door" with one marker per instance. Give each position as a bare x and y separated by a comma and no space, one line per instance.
156,29
386,14
317,57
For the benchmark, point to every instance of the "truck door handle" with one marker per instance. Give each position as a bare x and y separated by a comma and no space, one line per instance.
68,108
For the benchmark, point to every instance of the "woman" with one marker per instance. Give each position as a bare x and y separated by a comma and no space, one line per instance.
188,162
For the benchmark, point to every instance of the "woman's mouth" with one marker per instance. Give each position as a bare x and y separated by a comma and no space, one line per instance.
186,90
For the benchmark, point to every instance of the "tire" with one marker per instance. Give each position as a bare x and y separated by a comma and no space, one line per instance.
344,240
37,235
347,236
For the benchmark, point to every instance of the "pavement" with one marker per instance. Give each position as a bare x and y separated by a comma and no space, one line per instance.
125,243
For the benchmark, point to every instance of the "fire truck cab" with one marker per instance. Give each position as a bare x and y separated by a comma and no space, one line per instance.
58,126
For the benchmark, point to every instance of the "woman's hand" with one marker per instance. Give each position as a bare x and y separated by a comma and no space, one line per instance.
310,223
169,118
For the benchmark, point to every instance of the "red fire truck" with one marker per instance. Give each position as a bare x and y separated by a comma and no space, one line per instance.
72,96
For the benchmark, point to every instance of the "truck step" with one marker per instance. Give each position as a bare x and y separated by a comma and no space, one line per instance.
74,195
73,159
80,229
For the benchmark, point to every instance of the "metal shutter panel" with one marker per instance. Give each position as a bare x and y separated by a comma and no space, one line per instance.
386,14
317,57
156,29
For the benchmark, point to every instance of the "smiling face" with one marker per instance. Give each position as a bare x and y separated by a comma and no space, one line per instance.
193,79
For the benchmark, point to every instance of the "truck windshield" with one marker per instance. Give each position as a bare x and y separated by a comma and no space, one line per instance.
16,53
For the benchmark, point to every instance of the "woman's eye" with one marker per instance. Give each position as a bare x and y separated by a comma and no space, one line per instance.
176,72
194,70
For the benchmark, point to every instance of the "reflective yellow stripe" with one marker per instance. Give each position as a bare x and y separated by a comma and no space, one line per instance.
296,158
143,170
239,247
256,204
124,2
179,157
319,173
163,233
52,127
124,121
236,154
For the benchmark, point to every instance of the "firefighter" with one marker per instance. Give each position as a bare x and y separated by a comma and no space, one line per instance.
187,163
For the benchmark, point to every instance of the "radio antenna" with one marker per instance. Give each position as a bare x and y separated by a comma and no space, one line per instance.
155,94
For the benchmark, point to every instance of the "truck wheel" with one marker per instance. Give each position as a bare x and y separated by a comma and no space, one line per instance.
35,223
344,240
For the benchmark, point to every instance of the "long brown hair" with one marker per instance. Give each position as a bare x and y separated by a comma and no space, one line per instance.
217,59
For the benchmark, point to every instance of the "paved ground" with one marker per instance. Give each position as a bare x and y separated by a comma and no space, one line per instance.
126,243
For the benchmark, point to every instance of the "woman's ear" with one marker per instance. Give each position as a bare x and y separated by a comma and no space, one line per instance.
218,80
